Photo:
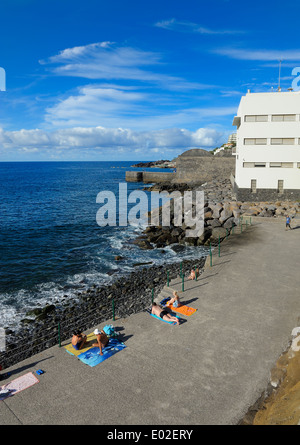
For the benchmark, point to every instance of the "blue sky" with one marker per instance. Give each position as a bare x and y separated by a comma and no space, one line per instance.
95,80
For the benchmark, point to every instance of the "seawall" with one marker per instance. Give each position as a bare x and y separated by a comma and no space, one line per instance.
149,177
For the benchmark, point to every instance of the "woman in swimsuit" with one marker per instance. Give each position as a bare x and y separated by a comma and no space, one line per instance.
175,301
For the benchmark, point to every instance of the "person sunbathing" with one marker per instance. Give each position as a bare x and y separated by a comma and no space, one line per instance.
78,340
102,340
163,314
192,275
175,301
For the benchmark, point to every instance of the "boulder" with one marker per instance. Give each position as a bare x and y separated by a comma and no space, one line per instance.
229,223
218,232
214,223
204,236
217,208
225,214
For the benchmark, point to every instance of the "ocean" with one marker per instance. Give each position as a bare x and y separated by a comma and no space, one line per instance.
50,243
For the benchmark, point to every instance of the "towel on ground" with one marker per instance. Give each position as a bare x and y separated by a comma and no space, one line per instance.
165,321
17,385
91,338
182,309
92,356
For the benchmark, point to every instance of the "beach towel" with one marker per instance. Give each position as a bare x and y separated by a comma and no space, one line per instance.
19,384
161,319
91,338
183,309
92,356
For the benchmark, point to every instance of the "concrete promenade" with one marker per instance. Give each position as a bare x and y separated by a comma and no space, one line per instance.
208,370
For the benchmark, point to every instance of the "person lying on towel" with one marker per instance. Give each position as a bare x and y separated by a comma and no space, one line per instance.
102,339
78,340
156,310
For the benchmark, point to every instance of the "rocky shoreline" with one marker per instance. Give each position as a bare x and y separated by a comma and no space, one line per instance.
125,296
45,327
221,214
163,163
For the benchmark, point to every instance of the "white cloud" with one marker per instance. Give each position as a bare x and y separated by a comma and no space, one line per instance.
104,60
96,105
186,26
262,55
100,138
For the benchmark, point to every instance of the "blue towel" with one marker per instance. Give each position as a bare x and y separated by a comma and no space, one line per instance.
164,301
92,356
165,321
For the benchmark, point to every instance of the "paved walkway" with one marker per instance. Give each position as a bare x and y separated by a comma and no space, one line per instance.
208,370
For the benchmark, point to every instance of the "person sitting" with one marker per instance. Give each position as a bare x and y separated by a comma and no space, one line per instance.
102,339
163,314
175,301
78,340
192,275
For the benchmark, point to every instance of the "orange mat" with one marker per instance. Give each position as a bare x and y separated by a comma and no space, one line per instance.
184,310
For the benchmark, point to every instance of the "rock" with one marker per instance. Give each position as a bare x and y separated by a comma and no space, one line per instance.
178,248
225,214
214,223
143,243
217,210
208,214
34,312
229,223
118,257
206,234
218,232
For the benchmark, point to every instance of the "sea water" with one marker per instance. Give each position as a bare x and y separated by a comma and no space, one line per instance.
50,243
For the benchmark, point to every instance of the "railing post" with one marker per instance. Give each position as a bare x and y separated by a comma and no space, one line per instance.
195,273
59,339
167,278
182,283
210,254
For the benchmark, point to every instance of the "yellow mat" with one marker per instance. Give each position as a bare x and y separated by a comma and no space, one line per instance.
91,338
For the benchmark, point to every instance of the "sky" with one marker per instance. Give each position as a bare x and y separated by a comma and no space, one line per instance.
135,80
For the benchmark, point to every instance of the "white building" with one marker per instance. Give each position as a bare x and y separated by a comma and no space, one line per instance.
268,146
232,139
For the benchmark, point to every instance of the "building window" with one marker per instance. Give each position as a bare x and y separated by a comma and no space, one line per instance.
275,164
255,141
287,165
256,118
283,117
248,164
259,164
253,185
283,141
